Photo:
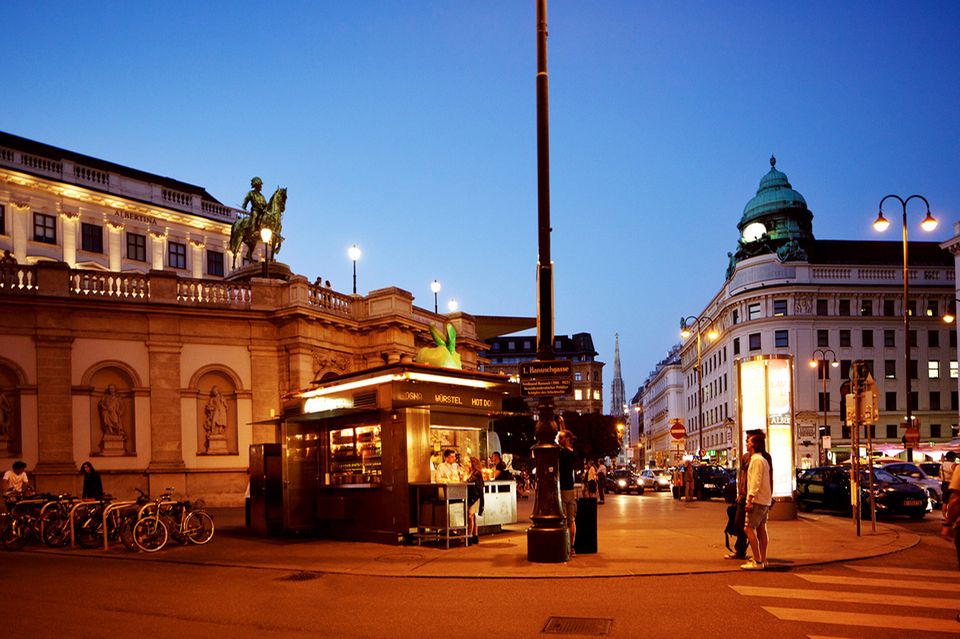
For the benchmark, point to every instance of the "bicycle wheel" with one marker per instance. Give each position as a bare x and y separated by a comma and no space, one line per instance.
126,534
15,535
90,533
150,535
56,530
198,527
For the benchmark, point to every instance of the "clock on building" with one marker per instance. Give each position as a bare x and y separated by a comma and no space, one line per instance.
754,231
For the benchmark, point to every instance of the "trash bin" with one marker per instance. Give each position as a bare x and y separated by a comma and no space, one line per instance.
586,541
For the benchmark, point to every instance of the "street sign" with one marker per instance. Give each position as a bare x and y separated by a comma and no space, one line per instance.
826,442
677,431
807,431
546,378
912,436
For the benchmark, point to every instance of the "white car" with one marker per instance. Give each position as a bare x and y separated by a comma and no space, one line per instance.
915,475
655,479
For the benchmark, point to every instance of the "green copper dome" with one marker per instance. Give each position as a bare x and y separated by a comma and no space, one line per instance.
775,194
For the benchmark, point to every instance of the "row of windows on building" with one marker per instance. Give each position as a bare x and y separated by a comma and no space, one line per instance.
91,241
713,415
891,403
934,368
579,395
893,431
844,308
781,339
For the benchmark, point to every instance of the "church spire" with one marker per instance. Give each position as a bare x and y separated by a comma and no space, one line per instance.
618,401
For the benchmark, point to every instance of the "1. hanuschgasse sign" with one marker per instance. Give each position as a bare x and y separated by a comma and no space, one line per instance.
546,378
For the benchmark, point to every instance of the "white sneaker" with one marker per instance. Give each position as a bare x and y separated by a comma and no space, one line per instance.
752,565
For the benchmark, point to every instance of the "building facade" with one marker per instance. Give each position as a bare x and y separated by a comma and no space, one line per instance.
121,341
790,294
505,354
661,398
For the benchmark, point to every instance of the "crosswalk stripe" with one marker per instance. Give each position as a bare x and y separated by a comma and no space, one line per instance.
865,620
938,603
909,572
883,583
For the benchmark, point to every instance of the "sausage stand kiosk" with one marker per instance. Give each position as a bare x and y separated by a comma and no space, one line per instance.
358,450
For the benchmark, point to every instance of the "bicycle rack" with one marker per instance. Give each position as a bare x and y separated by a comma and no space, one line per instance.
73,528
117,505
57,502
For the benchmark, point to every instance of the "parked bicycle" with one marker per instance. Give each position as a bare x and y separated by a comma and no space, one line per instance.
25,521
168,518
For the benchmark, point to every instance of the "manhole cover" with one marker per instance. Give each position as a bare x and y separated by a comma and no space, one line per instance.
399,557
577,626
299,576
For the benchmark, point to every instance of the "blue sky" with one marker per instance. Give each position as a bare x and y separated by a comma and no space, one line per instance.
408,127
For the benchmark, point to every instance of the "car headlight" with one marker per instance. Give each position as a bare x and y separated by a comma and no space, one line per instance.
709,485
621,483
639,482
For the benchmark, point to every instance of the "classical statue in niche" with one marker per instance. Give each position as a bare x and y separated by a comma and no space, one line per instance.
6,415
110,408
215,422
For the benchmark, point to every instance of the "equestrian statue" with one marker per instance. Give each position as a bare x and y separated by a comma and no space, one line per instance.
263,214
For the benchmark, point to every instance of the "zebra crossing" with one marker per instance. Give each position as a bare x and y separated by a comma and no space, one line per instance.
906,602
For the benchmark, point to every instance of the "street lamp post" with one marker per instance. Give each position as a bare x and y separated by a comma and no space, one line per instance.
928,224
453,305
819,361
266,235
435,287
685,323
354,253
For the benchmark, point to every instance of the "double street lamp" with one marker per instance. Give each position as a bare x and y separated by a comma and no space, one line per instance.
928,224
696,323
819,361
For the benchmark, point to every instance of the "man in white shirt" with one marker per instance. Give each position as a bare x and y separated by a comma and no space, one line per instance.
449,469
759,500
16,484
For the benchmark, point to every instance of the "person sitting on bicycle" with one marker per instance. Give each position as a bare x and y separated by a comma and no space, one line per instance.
16,484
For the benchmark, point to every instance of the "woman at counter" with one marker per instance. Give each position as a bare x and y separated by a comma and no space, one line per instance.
474,498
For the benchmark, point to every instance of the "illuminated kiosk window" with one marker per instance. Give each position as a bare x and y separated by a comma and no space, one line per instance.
355,456
465,441
766,404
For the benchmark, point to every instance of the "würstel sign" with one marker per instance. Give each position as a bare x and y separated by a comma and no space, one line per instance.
546,378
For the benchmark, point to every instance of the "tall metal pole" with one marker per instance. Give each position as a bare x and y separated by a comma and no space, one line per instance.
699,394
548,539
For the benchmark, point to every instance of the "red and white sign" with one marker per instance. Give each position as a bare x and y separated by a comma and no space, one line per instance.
912,436
677,431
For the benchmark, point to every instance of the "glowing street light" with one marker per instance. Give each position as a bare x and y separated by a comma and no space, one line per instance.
354,253
435,287
453,305
266,235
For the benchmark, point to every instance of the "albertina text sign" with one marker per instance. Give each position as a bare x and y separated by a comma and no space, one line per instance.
546,378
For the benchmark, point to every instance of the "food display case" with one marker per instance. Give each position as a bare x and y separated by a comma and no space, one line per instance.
355,457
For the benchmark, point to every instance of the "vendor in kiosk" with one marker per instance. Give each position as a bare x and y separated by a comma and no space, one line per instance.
449,469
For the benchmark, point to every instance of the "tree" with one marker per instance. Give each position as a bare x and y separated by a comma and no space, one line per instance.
515,430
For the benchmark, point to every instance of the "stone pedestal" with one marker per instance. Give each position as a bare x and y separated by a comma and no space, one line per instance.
113,445
217,445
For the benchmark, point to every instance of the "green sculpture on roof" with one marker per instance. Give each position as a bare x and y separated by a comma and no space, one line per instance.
444,354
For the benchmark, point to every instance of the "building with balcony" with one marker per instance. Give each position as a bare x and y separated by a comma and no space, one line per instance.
122,343
505,354
788,293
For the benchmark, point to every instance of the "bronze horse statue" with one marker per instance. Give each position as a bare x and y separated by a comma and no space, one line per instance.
246,230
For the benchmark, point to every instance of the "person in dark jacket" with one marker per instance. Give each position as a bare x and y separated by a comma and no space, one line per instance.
92,484
474,497
740,519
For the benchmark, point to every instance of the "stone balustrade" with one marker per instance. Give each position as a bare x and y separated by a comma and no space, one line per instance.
86,283
213,292
17,278
329,300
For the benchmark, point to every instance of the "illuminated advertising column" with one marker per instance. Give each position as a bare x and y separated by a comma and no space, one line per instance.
765,388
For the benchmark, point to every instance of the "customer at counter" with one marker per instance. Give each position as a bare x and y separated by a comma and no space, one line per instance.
499,468
474,498
449,469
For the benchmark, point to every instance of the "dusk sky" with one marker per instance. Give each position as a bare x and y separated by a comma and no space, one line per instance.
408,128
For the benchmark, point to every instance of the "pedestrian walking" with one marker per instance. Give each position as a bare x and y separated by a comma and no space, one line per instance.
947,467
759,500
688,481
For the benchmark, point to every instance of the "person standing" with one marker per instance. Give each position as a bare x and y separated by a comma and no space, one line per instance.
568,492
947,469
474,498
688,481
601,479
590,479
449,469
92,484
759,500
16,483
740,518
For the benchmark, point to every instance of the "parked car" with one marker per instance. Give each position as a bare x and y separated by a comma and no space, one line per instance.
932,469
622,480
915,475
655,479
709,481
828,488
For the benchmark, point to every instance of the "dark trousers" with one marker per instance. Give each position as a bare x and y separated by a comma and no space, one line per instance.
739,521
601,480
